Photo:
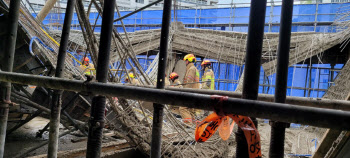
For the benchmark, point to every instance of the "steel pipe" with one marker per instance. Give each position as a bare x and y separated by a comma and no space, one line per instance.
302,101
57,94
327,118
158,111
252,65
7,65
96,122
278,128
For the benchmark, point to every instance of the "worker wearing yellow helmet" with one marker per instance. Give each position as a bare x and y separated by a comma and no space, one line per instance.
132,80
86,67
191,80
208,76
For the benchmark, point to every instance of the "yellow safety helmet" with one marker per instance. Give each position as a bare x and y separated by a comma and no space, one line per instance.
131,75
190,57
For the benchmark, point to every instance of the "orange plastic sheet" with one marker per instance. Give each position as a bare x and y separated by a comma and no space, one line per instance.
213,122
226,128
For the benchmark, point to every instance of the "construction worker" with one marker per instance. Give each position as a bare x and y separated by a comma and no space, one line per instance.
191,80
208,76
87,66
174,82
133,80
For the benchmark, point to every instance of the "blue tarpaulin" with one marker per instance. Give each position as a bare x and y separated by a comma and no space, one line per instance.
240,15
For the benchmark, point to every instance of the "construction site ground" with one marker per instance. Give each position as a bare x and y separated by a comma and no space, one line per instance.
25,138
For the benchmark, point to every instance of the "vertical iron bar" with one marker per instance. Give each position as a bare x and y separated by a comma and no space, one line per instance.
310,76
307,72
158,108
318,84
316,15
57,94
252,65
8,66
96,122
264,80
278,128
330,81
219,75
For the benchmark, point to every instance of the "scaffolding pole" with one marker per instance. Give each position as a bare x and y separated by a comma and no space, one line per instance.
96,122
278,128
57,94
45,10
8,66
302,101
158,111
252,65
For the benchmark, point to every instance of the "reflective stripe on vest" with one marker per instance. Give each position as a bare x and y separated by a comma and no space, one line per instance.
86,70
197,76
212,81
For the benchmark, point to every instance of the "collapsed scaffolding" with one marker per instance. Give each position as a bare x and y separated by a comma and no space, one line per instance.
223,46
